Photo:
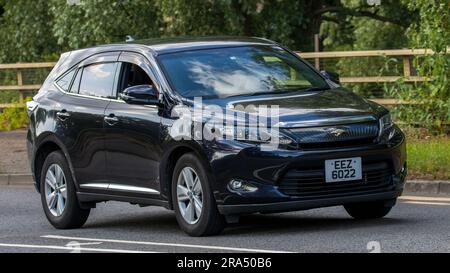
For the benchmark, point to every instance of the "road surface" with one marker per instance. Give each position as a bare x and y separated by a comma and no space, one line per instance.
417,224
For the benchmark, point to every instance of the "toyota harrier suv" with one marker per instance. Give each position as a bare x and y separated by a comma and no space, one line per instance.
132,122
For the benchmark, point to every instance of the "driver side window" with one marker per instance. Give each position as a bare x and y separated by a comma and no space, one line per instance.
132,75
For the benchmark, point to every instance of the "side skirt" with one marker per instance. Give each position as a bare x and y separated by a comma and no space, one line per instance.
84,197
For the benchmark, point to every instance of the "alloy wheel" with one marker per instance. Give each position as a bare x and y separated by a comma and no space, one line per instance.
190,195
55,190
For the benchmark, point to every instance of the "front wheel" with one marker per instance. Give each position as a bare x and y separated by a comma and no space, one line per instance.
58,194
369,210
193,201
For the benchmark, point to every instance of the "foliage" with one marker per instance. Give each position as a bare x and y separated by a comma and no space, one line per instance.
431,99
13,118
184,17
24,31
9,96
41,29
365,33
102,21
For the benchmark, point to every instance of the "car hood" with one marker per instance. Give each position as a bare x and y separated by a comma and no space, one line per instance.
333,106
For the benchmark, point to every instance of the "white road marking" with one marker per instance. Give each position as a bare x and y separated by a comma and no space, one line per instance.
72,248
71,244
427,203
164,244
424,198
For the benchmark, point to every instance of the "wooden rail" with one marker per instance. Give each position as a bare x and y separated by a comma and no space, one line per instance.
19,86
365,53
406,55
27,65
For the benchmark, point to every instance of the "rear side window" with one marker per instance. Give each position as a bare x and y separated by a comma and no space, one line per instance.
98,79
76,83
64,81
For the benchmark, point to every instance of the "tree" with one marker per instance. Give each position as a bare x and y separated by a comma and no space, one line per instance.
33,30
361,27
432,98
103,21
24,34
193,17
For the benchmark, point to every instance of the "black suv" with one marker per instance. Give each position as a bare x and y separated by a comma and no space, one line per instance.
102,128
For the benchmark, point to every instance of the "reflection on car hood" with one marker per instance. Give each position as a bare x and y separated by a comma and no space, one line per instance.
332,106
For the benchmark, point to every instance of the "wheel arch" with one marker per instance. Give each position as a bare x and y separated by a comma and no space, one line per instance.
169,160
48,143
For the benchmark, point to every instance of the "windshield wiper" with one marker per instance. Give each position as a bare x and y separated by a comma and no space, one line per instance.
281,91
315,89
289,90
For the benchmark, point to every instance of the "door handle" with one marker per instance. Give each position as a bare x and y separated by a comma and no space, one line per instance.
111,119
63,114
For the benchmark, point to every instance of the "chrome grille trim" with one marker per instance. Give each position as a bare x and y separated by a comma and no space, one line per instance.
327,121
337,133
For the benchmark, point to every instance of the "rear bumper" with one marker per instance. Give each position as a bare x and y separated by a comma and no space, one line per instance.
306,204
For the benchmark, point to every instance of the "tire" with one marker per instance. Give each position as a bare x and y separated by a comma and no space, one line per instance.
369,210
66,212
209,221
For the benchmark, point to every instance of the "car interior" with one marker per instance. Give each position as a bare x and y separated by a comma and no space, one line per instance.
132,75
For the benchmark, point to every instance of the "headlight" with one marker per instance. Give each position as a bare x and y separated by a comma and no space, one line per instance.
386,127
252,135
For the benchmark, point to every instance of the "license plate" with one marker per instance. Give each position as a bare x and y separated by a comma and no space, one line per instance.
343,169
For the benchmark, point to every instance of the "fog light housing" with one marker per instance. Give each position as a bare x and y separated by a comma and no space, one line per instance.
241,186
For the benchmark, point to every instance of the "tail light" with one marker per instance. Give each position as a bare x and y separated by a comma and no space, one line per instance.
31,107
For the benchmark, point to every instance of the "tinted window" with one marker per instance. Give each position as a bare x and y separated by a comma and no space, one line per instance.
98,80
64,82
133,75
238,71
76,83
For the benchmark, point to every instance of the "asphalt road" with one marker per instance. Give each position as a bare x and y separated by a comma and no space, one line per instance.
416,224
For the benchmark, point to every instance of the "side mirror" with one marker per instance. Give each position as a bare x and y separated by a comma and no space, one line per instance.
332,76
140,94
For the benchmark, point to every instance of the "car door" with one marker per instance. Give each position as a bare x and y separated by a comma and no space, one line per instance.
133,133
80,116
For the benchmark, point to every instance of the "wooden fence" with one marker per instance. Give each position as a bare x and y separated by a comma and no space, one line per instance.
314,57
18,68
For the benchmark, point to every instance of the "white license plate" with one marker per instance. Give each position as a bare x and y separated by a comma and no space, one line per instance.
343,169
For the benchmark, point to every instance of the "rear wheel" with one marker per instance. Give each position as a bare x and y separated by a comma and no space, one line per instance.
58,194
193,201
369,210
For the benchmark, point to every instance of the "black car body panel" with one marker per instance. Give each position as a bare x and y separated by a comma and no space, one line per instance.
311,106
119,151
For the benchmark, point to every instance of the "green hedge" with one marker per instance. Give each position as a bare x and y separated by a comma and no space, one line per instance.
13,118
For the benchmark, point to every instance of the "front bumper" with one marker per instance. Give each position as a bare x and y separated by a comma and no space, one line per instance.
306,204
267,170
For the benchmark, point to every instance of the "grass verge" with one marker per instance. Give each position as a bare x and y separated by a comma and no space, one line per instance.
428,158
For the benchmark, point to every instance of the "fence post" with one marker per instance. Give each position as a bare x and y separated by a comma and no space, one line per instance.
316,49
406,66
20,83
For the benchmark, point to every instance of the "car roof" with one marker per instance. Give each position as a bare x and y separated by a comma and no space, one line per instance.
170,45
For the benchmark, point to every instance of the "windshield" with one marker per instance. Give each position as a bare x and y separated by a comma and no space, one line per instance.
248,70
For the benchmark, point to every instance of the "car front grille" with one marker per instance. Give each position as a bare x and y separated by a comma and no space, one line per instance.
311,183
336,136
